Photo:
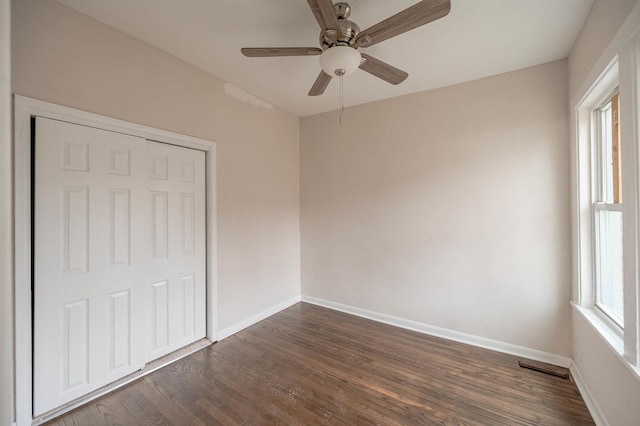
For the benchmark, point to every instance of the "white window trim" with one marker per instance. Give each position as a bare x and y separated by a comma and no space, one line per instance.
25,108
583,153
630,120
619,66
604,93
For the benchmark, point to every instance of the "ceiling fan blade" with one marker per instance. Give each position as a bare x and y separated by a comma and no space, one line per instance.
417,15
325,14
382,70
262,52
320,85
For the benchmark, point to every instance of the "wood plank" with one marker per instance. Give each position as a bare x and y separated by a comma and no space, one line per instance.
615,142
312,365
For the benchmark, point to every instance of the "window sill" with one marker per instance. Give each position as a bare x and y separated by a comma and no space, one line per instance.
611,335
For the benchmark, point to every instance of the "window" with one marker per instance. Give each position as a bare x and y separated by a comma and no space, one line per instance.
606,199
607,210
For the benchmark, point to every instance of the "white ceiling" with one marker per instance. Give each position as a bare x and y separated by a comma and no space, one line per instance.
478,38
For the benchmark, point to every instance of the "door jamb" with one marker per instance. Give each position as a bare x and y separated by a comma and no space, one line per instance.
24,109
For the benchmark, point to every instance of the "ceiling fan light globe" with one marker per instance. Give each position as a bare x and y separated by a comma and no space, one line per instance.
340,60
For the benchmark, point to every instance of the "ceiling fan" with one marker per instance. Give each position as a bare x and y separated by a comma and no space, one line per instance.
341,38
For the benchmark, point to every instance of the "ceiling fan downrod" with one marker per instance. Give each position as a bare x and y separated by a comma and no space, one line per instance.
348,29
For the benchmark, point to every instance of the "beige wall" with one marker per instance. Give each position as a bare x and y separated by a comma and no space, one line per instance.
604,20
67,58
448,207
613,387
6,226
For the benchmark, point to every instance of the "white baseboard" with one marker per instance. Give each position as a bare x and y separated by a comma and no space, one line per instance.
590,402
445,333
226,332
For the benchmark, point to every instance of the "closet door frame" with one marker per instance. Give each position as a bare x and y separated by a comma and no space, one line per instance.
24,109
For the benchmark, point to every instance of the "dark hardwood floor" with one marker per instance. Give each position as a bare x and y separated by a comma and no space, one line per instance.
311,365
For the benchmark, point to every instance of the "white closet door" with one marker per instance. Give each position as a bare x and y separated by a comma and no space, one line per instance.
176,275
89,272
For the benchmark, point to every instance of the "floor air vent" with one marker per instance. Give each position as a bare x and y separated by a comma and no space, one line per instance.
543,367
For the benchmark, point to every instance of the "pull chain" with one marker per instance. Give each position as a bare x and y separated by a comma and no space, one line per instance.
341,98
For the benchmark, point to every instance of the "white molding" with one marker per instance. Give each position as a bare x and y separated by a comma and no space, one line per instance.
24,109
629,124
445,333
22,263
589,400
239,326
85,118
7,359
212,243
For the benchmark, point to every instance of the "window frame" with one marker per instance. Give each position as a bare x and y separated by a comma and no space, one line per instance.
600,199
